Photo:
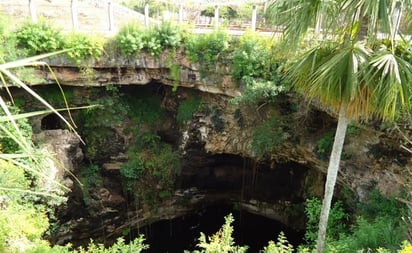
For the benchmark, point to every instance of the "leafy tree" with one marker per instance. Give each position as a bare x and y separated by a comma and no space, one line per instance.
348,69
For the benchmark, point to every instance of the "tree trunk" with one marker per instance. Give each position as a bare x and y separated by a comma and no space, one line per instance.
331,177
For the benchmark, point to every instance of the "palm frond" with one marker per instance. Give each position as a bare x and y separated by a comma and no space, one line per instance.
43,112
35,168
18,137
40,193
406,22
377,12
31,61
296,16
330,75
389,76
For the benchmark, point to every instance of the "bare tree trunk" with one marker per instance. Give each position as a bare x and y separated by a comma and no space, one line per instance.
332,174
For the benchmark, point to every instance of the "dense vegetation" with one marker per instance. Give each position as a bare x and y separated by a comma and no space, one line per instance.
254,66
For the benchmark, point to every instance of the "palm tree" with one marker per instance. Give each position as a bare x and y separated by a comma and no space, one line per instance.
351,71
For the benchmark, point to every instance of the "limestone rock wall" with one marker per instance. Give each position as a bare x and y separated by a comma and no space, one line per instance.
216,148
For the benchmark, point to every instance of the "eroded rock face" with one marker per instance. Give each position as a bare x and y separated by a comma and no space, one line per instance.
65,154
371,158
219,160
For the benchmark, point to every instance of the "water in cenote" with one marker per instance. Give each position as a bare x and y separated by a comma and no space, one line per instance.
177,235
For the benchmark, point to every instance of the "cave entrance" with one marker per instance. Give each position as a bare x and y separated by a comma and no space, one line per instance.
236,174
51,122
239,179
179,234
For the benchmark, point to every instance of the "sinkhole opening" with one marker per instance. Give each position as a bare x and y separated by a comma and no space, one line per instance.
179,234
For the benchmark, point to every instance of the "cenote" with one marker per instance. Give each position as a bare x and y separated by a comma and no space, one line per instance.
179,234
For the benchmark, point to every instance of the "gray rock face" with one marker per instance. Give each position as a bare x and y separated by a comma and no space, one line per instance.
65,154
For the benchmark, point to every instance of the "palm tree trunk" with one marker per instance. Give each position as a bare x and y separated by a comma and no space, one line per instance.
331,177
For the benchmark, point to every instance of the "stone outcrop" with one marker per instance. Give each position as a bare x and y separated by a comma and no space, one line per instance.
140,71
65,155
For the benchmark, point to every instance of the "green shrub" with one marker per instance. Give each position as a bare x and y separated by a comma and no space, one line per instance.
381,233
12,177
281,246
152,166
168,35
378,227
4,25
187,108
90,178
156,7
144,108
152,43
252,59
225,12
165,36
174,70
135,246
130,39
221,242
21,226
39,37
353,131
207,49
54,95
149,140
8,48
133,168
259,91
380,206
268,136
403,48
153,169
324,145
83,47
165,165
336,221
97,124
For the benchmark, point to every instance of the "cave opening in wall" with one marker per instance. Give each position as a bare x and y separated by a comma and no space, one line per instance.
231,185
51,122
237,174
179,234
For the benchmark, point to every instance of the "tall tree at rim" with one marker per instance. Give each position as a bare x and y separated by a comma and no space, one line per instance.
350,69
